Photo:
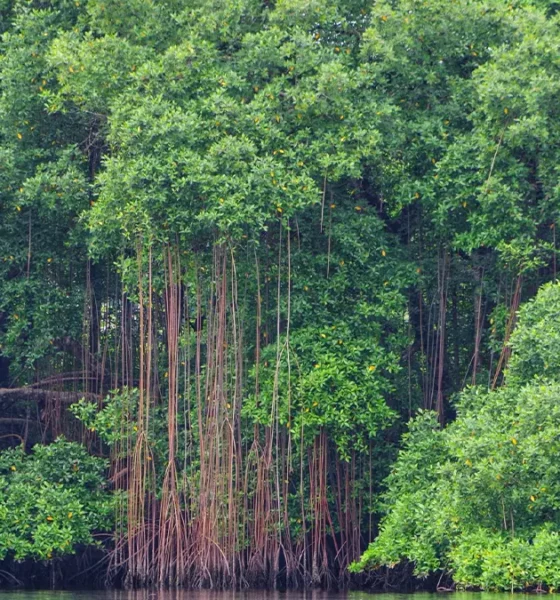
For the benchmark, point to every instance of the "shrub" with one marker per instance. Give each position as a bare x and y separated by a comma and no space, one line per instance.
51,500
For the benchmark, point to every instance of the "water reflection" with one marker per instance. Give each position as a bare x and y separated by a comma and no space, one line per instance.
250,595
182,595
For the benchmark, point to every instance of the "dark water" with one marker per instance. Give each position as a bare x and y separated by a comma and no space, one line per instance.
251,595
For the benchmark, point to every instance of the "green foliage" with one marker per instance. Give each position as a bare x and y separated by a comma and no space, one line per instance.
338,369
535,341
115,422
492,560
482,501
117,128
327,380
481,498
412,530
379,176
52,500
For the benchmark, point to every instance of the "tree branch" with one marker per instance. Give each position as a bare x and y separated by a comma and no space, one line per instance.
38,395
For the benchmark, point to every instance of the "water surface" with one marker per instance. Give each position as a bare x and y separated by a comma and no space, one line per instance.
251,595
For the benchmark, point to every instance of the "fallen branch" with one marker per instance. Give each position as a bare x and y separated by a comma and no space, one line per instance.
38,395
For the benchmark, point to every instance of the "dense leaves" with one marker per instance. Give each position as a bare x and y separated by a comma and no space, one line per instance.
51,501
293,223
480,499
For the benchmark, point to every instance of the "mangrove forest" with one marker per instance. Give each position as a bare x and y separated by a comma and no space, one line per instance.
278,294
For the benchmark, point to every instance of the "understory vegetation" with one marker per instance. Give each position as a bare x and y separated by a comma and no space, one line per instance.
243,243
52,500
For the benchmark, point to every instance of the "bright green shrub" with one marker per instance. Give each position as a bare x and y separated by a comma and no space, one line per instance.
481,498
474,498
51,500
536,340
